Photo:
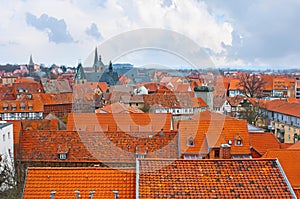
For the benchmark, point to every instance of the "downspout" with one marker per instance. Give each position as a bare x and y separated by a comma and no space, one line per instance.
24,182
137,176
286,179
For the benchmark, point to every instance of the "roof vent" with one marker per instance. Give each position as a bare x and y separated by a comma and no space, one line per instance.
52,193
150,136
230,142
77,192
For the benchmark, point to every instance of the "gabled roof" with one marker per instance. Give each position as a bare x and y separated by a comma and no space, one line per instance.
179,100
243,178
261,142
118,108
39,124
295,146
37,106
54,98
216,131
289,160
41,181
236,100
144,122
105,147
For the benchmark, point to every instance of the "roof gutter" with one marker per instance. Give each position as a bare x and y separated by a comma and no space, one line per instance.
286,179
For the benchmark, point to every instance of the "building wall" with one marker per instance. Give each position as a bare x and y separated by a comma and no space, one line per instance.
6,147
58,109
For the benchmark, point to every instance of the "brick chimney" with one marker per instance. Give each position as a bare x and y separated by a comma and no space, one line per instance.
225,151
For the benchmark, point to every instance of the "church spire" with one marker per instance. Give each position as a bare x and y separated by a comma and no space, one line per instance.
110,67
31,67
96,61
31,61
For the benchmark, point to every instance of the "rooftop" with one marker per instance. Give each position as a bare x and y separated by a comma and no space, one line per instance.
239,178
41,181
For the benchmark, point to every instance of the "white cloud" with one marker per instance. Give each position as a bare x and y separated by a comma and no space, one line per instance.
190,18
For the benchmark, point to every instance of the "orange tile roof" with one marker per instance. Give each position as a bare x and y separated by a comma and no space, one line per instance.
216,131
261,142
37,106
125,122
103,86
240,178
268,82
41,181
118,108
295,146
179,100
289,160
39,125
54,98
282,106
234,84
103,147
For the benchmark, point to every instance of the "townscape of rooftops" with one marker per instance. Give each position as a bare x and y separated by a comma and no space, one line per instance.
116,131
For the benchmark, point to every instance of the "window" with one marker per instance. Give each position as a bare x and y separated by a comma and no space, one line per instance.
62,156
30,107
190,141
3,137
136,104
238,141
140,155
8,135
217,153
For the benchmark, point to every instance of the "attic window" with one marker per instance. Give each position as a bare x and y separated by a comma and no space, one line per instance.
5,106
13,107
238,141
140,155
62,156
30,107
21,90
22,106
190,141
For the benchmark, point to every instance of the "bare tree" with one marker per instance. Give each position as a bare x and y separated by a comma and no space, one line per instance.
251,85
11,179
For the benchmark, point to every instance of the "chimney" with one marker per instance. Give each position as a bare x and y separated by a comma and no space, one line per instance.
225,151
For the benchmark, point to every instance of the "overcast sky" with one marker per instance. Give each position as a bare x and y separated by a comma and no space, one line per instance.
233,33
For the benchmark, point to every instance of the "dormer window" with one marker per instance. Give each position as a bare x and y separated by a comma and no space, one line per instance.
62,156
26,90
13,107
30,107
21,90
22,106
190,141
238,141
5,106
140,155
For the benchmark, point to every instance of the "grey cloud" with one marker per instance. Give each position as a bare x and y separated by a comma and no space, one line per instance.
270,29
94,32
56,28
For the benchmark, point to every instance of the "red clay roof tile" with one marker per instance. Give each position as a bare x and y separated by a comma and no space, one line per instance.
243,178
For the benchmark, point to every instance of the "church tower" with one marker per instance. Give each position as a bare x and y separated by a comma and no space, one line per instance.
31,67
96,61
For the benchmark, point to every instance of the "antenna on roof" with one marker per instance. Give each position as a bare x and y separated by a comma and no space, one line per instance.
52,193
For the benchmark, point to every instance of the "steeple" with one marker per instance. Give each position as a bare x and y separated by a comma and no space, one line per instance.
31,61
31,67
110,67
80,75
96,61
